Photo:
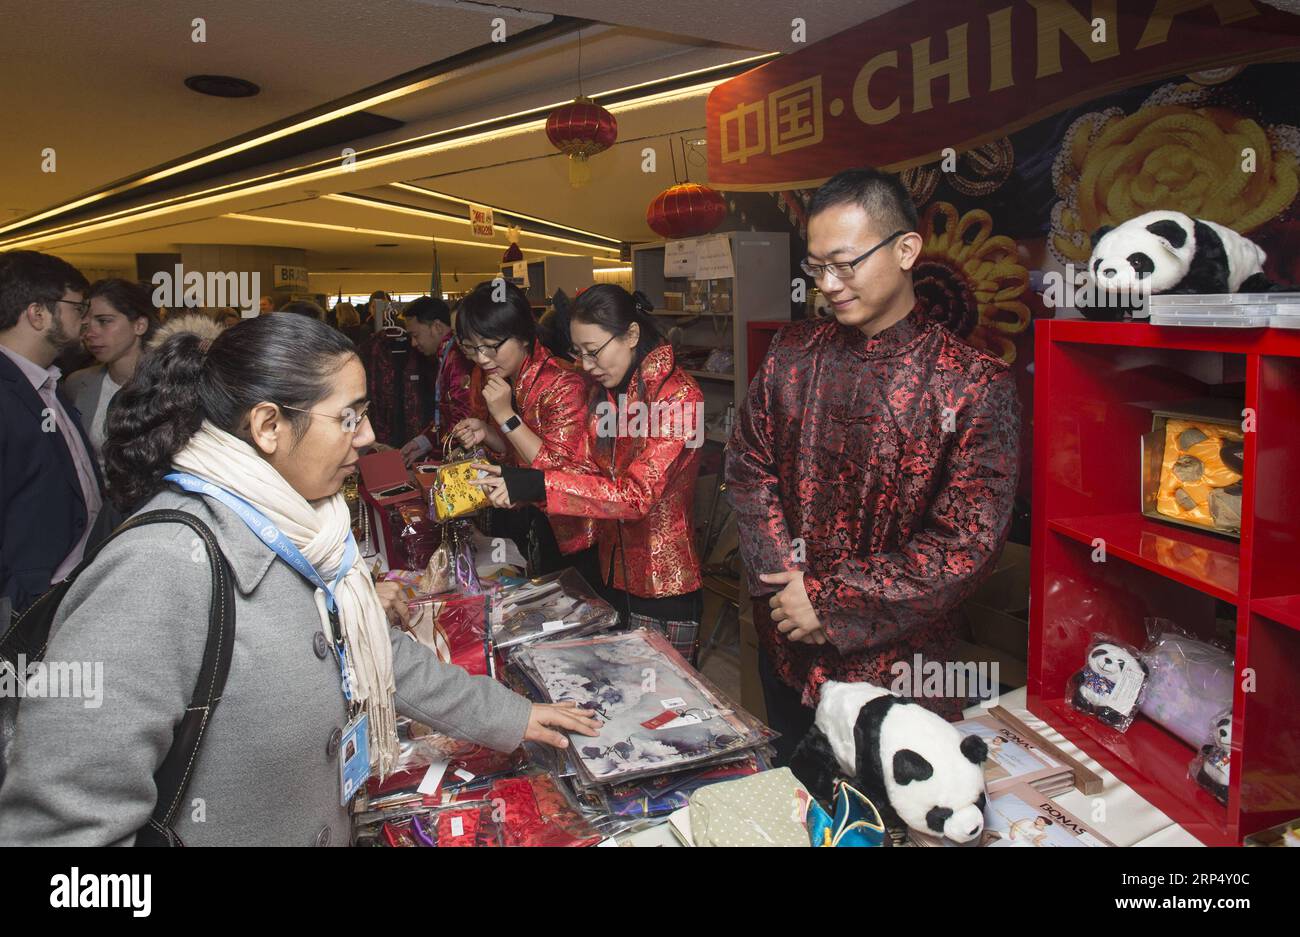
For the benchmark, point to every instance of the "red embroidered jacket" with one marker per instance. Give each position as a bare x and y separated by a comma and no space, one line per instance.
457,385
894,460
643,500
551,400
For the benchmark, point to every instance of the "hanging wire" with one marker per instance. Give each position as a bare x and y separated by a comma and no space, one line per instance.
673,155
579,63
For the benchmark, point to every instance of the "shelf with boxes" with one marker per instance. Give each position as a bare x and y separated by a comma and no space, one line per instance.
712,313
1105,558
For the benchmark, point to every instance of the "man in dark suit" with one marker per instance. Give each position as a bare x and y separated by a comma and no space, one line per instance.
49,482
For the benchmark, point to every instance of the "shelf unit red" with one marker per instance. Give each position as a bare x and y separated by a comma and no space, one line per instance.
1094,386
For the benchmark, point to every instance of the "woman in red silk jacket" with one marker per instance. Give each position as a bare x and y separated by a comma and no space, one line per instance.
642,494
532,411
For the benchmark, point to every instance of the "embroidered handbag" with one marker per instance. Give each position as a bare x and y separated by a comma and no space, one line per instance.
452,495
856,821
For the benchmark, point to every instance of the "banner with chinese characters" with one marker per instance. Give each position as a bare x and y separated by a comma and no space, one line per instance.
480,220
935,75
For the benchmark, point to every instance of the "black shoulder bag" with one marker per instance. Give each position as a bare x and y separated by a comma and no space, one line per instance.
29,636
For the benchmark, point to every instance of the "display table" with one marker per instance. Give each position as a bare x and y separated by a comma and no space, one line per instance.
1129,819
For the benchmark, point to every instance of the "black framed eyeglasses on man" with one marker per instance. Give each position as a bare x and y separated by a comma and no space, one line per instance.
83,307
843,270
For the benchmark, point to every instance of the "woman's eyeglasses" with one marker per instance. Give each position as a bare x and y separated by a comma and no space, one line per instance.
591,356
350,419
487,351
844,269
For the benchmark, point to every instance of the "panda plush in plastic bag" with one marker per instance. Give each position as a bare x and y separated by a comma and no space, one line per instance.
1170,252
1112,683
1210,767
911,763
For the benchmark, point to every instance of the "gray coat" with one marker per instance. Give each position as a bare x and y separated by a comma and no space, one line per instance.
84,776
84,387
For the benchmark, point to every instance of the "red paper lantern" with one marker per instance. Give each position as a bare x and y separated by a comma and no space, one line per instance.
686,210
580,130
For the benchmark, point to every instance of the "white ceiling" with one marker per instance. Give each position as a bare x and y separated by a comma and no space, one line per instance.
115,105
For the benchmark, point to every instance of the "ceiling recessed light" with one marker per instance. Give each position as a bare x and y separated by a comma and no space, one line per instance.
221,86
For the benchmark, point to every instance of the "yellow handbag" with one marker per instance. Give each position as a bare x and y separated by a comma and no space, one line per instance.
452,495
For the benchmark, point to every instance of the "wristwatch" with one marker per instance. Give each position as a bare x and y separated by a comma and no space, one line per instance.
511,424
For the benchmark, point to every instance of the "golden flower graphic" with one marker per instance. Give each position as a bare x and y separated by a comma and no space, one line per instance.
1169,155
971,280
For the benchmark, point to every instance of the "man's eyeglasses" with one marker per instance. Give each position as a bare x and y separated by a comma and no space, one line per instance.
844,269
487,351
83,307
350,419
580,355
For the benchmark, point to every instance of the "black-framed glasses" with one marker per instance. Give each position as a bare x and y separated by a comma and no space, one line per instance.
350,419
591,356
83,307
844,269
487,351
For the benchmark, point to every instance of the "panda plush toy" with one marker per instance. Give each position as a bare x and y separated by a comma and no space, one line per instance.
1169,252
1111,685
1212,763
914,766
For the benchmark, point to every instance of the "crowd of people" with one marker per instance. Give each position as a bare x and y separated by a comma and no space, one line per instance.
872,470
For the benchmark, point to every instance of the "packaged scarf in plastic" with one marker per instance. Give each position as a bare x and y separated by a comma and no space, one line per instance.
455,627
559,604
659,713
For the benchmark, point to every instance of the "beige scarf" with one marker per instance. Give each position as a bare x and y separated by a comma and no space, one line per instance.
319,529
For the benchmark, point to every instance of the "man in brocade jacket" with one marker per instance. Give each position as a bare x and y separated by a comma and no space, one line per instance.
872,468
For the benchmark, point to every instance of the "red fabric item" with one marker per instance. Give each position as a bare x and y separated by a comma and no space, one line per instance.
551,400
643,498
470,819
534,812
399,382
894,458
457,391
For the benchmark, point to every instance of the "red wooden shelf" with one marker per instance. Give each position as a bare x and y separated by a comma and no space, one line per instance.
1094,387
1284,609
1202,561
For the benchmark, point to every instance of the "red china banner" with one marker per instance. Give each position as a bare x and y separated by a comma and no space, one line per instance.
898,90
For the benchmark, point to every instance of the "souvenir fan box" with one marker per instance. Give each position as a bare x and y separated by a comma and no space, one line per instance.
1188,472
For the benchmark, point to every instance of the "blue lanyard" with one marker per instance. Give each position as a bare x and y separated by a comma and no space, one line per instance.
280,544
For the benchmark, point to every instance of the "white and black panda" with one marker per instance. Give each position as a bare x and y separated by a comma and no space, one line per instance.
1170,252
915,767
1213,772
1094,686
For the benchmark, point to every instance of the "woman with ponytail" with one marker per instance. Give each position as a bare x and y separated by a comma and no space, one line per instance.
533,413
252,432
645,424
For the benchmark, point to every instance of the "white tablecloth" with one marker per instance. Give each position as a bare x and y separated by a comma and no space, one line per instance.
1129,820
